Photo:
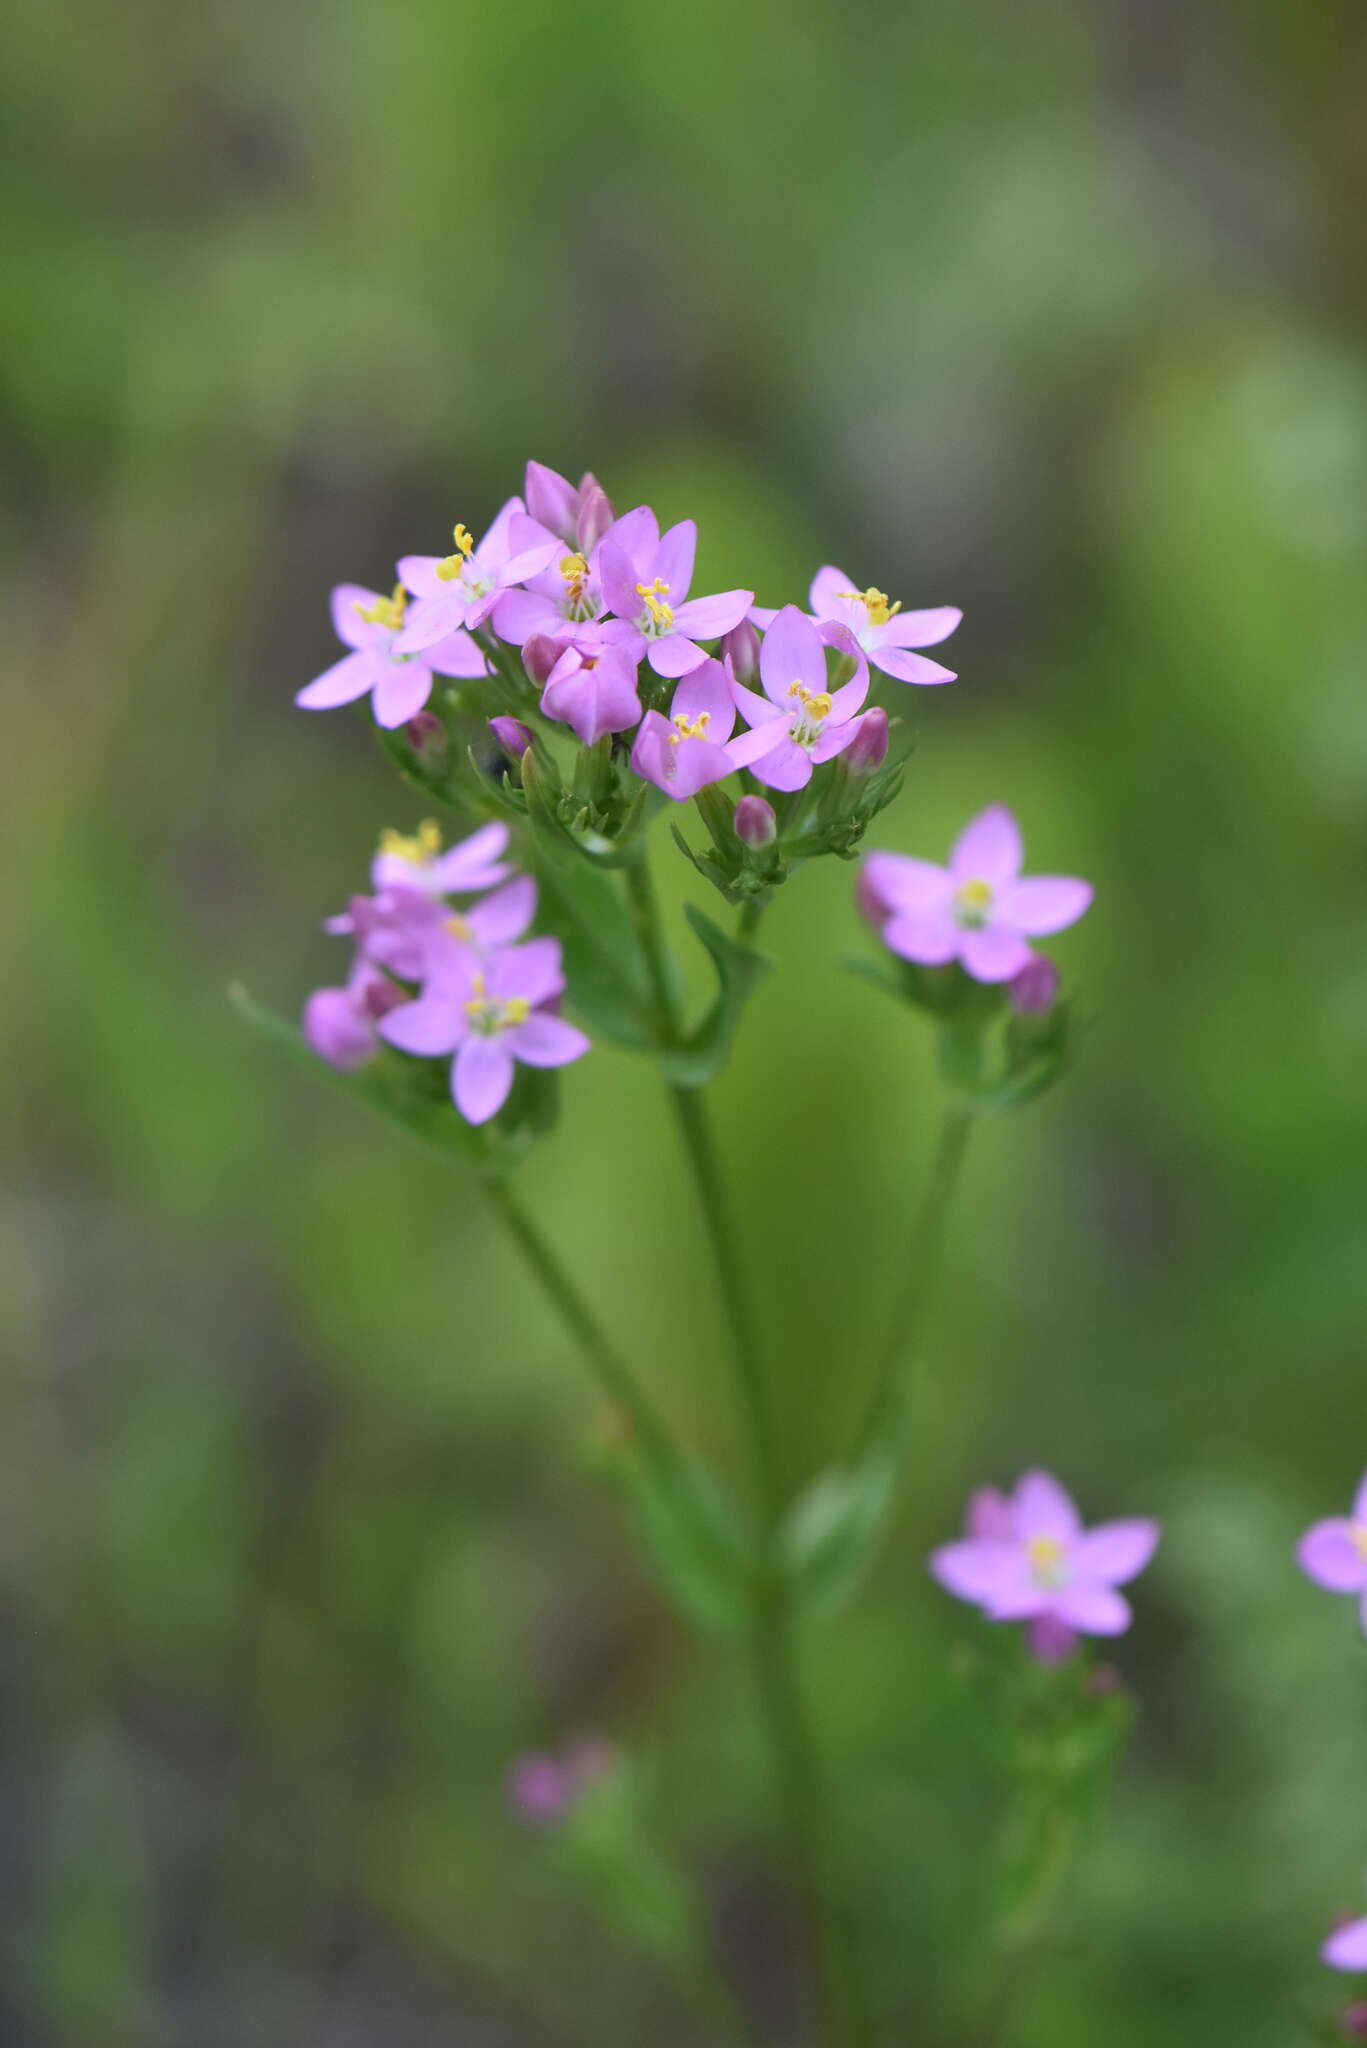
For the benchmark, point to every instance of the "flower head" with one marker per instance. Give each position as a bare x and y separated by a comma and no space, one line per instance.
491,1014
578,517
1346,1948
798,723
1030,1559
543,1788
340,1023
1334,1553
415,861
978,910
399,684
646,582
681,754
462,588
592,686
568,592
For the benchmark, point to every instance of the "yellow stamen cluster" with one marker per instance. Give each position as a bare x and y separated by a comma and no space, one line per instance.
974,895
689,728
1360,1540
495,1016
386,611
422,846
458,926
575,570
817,704
454,564
1046,1554
655,594
875,603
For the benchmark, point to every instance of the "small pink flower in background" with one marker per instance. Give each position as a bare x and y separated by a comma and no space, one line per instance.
880,627
681,754
340,1023
1353,2021
1346,1948
543,1788
370,625
1334,1553
647,584
979,910
417,861
491,1014
798,723
1028,1558
462,588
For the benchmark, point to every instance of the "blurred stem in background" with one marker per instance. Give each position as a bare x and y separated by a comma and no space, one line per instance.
796,1763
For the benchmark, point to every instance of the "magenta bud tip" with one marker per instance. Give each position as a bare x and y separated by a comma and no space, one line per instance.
512,735
869,747
755,822
1035,989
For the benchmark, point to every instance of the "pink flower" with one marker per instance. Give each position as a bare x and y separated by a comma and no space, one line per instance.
566,594
1334,1553
418,863
647,584
370,625
592,687
798,723
491,1015
882,629
681,754
978,910
1029,1559
462,588
543,1788
340,1023
1346,1948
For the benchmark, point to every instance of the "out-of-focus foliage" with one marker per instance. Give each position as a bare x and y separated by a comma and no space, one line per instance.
1050,311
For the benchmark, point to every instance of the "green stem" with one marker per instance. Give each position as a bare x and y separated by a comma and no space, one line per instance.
887,1410
796,1764
608,1367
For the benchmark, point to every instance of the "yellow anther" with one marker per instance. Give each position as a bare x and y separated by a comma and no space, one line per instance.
974,895
422,846
476,1003
386,611
465,547
662,615
575,570
458,926
875,603
1360,1540
689,728
516,1010
1046,1555
817,704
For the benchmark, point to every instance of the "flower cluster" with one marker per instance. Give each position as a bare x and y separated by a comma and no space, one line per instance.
443,980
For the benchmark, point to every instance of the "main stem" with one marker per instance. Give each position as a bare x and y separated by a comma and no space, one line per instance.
794,1757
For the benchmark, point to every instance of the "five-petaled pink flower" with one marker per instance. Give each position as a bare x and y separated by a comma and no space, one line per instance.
681,754
490,1014
647,583
370,625
1030,1559
1346,1948
1334,1553
462,588
978,910
798,723
881,628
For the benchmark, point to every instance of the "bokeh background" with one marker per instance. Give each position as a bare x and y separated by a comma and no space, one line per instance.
1054,312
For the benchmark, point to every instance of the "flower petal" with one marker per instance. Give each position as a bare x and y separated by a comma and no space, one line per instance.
1115,1552
403,689
343,683
829,595
1328,1554
1096,1610
931,939
989,848
429,1027
675,655
534,972
481,1077
457,655
1044,903
348,600
919,629
1346,1948
977,1569
905,883
674,561
499,919
990,1517
706,691
791,652
707,618
995,953
547,1041
787,766
1044,1508
749,747
909,668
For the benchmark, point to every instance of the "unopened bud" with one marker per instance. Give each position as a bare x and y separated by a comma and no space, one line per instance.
1354,2023
740,648
539,657
1035,989
427,736
754,822
869,747
595,515
512,735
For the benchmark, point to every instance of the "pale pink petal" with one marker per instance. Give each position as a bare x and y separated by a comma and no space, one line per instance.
547,1041
1115,1552
429,1027
789,766
674,562
343,683
829,596
636,533
977,1569
418,575
763,615
673,656
430,619
754,709
1096,1610
1044,1508
1329,1554
617,573
707,618
458,655
989,848
481,1077
1360,1502
533,971
748,747
904,883
931,939
907,667
1044,903
707,690
520,613
552,499
990,1517
849,698
995,953
791,652
832,740
402,689
1346,1948
502,917
918,629
348,601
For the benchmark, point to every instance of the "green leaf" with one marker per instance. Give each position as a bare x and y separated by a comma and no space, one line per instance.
833,1529
739,969
696,1537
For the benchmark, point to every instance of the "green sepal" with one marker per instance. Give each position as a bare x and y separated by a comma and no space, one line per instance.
831,1533
739,969
708,866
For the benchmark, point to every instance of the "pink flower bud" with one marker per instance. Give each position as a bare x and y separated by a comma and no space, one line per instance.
754,822
740,648
869,747
338,1029
1354,2023
539,657
512,735
539,1789
427,736
595,515
1035,988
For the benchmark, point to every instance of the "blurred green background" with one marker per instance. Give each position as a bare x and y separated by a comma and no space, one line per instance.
1054,312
